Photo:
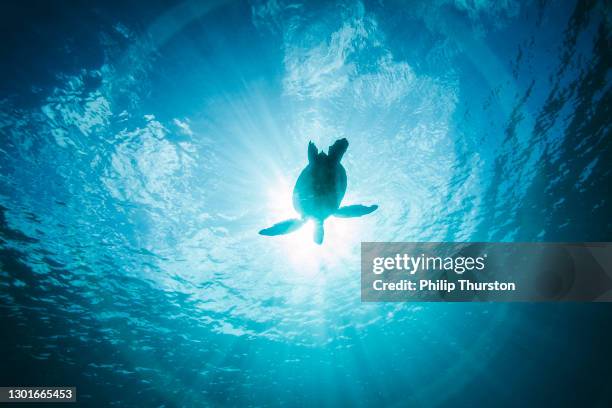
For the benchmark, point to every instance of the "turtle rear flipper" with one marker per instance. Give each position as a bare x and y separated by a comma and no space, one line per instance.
313,152
283,227
337,150
357,210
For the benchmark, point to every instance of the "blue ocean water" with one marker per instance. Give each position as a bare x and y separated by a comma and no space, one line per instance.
145,144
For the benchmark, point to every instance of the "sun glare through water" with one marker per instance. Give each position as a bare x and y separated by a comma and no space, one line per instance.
305,257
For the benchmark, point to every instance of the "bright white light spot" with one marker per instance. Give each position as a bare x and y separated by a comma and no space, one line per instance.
303,255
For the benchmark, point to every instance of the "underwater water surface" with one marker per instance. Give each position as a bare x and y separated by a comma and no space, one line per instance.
143,145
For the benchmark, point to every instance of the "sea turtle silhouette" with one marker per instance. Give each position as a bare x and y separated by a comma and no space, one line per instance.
318,192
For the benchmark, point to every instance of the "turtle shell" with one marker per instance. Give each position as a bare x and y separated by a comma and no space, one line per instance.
319,189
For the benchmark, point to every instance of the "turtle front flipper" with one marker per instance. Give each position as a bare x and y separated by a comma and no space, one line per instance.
357,210
283,227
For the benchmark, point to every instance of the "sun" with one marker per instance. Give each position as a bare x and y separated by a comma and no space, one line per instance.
302,253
